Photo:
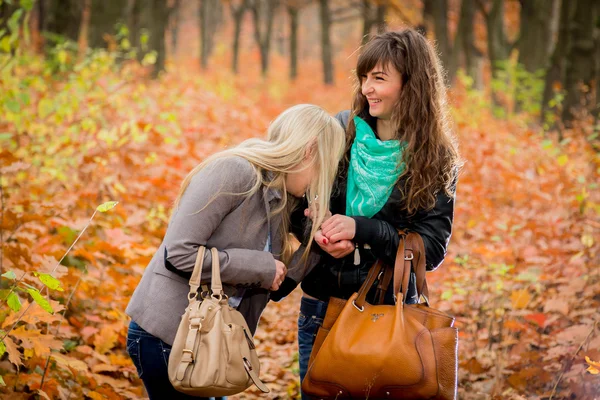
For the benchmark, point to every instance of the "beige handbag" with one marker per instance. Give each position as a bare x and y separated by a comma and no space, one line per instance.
213,353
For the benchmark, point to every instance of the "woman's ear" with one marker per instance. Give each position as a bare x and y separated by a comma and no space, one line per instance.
311,150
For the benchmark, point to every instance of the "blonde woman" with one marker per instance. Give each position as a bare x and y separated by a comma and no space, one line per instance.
239,201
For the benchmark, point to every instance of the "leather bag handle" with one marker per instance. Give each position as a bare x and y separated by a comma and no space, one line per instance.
216,285
364,289
195,278
410,256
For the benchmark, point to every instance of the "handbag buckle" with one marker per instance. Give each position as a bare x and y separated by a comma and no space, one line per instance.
191,353
410,257
247,364
355,306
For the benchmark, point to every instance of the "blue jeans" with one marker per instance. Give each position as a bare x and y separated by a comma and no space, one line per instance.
150,356
312,313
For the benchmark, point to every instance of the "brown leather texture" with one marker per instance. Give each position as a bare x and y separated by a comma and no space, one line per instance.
381,351
213,353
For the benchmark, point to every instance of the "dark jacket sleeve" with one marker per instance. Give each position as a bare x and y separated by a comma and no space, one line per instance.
434,226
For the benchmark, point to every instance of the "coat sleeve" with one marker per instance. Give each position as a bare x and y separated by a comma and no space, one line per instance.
211,195
435,227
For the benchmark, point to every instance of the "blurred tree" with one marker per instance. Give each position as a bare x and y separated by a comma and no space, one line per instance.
293,9
62,17
580,70
84,28
174,22
209,17
536,41
435,16
238,9
555,74
597,35
160,16
326,51
473,57
373,15
263,12
134,20
499,48
103,19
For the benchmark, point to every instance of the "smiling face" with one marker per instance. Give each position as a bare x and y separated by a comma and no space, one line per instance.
381,86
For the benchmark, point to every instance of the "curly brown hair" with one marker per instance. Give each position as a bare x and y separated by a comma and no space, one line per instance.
420,118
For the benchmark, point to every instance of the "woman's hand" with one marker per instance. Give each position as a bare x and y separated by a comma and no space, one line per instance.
339,227
280,272
339,249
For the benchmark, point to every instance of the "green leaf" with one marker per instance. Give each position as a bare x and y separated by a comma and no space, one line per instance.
38,298
49,281
106,206
44,108
13,302
2,382
9,275
13,106
2,348
27,4
5,136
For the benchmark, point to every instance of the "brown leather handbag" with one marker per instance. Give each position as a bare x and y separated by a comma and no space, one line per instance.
213,353
382,351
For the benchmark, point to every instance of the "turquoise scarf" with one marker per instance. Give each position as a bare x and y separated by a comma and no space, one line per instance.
373,171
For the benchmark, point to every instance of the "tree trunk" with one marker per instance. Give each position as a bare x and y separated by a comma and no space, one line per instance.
263,12
435,14
210,14
534,34
380,17
174,22
326,50
104,17
133,18
473,57
580,71
534,40
293,14
160,18
63,17
367,11
498,46
238,16
83,31
555,75
597,102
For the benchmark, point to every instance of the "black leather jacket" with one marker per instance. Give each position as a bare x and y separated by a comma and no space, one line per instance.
376,237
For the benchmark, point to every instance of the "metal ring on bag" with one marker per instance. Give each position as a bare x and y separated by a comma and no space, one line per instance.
410,257
355,306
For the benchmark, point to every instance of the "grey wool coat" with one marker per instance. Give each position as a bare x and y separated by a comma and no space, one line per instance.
236,224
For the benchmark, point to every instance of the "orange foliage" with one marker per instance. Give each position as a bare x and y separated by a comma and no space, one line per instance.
521,275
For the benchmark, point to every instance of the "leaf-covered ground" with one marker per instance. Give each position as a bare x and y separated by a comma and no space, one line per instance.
521,276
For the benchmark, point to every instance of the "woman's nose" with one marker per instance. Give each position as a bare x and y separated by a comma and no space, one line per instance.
366,87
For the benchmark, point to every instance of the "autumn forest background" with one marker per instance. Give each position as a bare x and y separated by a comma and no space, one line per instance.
105,101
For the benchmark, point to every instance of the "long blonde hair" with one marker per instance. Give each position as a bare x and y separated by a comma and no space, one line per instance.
302,128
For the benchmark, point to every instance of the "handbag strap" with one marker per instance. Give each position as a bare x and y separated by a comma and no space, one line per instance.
410,257
364,289
216,285
195,279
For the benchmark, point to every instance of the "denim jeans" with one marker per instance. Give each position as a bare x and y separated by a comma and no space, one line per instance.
312,313
150,356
